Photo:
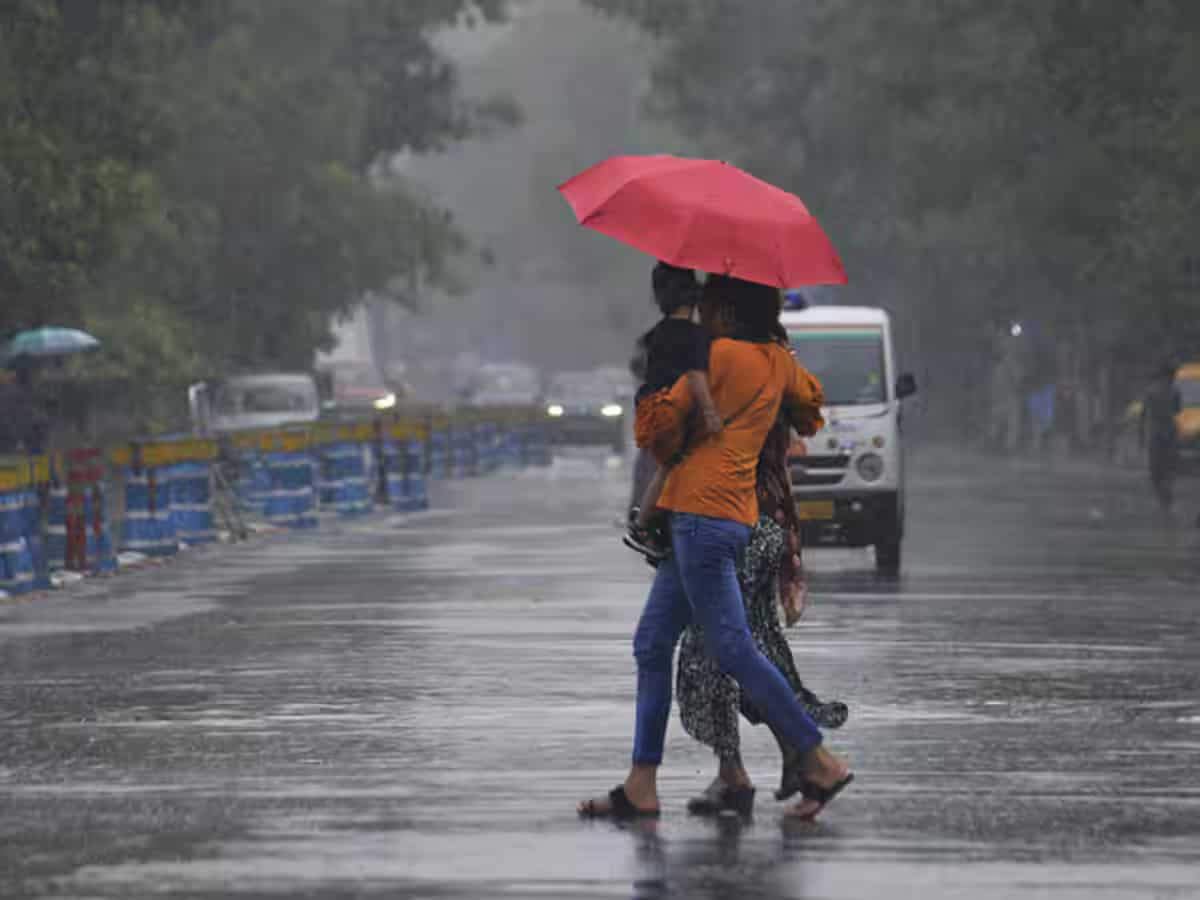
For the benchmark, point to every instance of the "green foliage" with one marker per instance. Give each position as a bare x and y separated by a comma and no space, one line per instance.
976,162
206,185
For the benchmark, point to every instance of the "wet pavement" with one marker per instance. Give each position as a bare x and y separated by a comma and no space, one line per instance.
409,707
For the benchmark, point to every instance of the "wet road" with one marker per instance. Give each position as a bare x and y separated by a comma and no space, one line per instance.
410,707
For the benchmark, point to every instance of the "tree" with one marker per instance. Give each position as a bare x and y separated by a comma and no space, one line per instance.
78,123
975,162
207,185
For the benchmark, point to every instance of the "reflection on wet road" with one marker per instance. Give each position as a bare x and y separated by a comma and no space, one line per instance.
410,707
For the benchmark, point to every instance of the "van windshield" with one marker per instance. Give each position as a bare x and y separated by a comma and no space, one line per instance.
848,361
282,396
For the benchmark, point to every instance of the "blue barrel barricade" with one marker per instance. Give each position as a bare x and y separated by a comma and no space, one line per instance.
537,446
329,484
254,483
393,462
35,534
511,448
148,525
99,554
290,501
191,503
56,524
487,459
462,450
16,558
416,486
346,467
404,461
439,453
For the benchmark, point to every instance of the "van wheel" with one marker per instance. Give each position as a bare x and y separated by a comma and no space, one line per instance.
887,557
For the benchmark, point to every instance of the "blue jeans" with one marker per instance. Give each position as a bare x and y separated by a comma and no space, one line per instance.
699,582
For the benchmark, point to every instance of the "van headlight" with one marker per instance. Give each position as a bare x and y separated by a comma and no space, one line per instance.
555,411
870,467
611,410
388,401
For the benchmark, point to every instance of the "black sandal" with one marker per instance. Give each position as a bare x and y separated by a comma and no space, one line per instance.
720,797
791,781
822,796
642,540
620,808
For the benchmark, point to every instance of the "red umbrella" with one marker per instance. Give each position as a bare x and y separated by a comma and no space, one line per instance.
706,215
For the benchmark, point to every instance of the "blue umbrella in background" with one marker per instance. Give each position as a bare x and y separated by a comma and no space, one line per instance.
41,343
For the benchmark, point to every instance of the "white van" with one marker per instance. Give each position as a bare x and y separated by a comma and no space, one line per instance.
848,479
245,402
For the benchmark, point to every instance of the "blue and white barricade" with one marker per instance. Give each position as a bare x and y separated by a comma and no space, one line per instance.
463,444
35,537
512,448
16,558
355,496
254,482
345,487
148,527
191,503
487,448
416,488
537,446
440,457
100,555
56,525
329,483
393,473
404,458
290,501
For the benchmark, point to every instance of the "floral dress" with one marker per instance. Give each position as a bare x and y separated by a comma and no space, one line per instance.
709,700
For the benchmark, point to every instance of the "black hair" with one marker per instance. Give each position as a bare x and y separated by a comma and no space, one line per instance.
753,308
674,287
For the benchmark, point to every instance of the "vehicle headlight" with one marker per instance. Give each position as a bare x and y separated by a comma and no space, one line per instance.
870,467
555,411
611,410
386,402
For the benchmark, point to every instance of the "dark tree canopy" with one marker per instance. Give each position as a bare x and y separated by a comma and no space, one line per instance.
207,184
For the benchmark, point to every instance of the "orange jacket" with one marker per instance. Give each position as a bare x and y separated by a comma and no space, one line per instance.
717,475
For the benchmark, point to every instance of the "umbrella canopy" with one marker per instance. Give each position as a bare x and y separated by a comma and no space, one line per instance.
44,342
707,215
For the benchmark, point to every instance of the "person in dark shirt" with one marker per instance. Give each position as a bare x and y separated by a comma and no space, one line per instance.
1159,433
677,347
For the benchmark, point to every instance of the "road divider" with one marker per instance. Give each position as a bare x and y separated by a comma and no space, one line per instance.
71,510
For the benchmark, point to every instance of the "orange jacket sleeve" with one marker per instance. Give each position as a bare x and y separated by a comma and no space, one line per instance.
660,425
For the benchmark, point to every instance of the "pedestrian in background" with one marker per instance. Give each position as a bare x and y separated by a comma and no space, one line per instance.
1160,436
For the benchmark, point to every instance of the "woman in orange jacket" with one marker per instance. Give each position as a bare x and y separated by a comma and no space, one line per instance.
711,497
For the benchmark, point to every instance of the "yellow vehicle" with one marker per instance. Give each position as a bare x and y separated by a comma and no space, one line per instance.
1188,421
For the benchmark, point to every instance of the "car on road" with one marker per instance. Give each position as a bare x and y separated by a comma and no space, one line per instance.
503,384
848,479
353,388
589,407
